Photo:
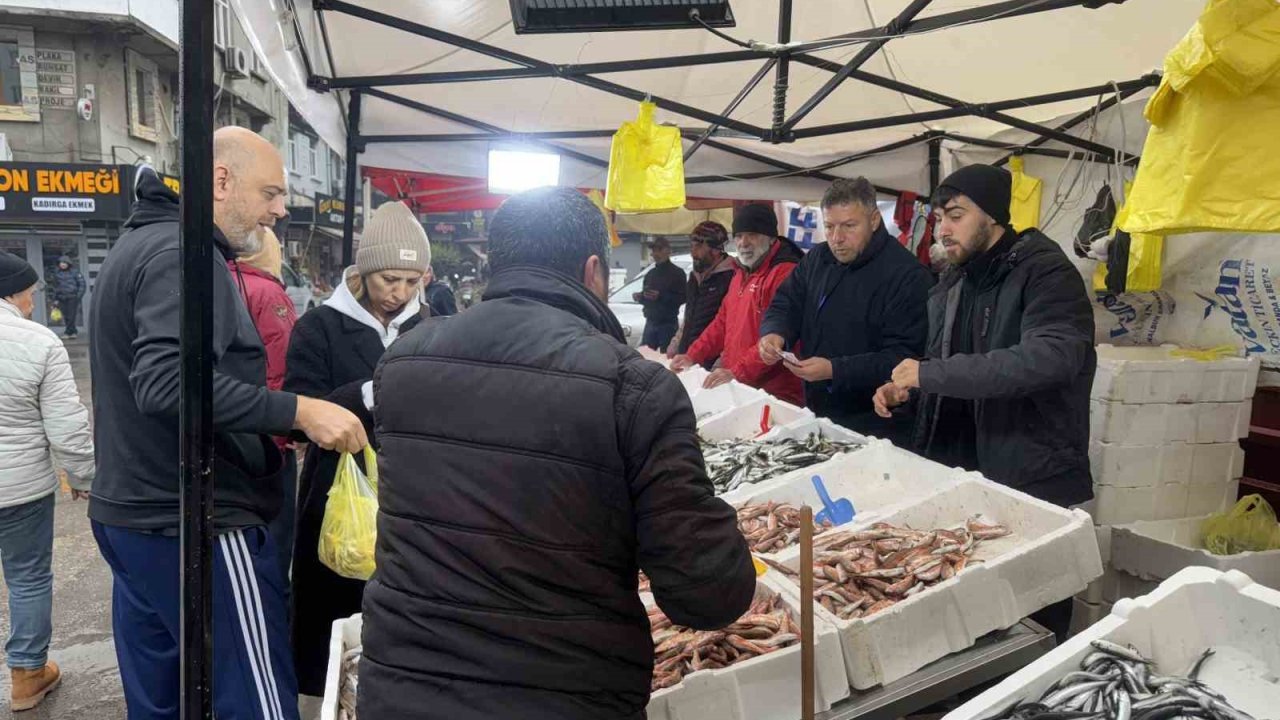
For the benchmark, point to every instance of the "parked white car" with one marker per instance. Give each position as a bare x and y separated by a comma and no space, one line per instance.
631,313
299,290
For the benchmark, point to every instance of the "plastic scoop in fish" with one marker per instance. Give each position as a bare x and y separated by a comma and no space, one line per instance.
836,512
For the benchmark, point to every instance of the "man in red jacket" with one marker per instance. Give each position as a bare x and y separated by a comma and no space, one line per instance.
764,261
258,277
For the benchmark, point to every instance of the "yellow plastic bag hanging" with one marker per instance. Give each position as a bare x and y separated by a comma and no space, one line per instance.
597,199
1024,208
349,530
1249,526
646,166
1213,144
55,315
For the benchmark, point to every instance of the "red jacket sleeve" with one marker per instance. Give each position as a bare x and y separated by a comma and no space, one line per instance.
274,316
749,368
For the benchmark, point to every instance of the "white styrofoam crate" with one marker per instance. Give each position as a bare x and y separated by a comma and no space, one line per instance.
1118,505
1157,550
1138,375
709,402
743,422
692,379
1084,614
1122,465
803,427
1115,585
1051,555
345,635
1196,609
1167,422
875,479
762,688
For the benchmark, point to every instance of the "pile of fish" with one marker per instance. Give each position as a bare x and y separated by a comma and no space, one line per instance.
770,526
734,463
766,627
1117,683
858,573
350,683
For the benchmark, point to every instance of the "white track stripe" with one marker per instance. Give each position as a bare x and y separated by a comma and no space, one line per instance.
230,563
256,601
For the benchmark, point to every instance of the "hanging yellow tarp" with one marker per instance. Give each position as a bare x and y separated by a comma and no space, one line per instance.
646,166
597,199
1144,270
1212,156
1024,207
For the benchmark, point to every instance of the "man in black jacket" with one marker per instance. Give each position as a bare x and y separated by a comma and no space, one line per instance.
662,297
68,290
134,507
708,284
855,308
512,527
439,295
1005,388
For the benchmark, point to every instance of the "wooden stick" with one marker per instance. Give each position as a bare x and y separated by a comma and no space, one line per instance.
806,613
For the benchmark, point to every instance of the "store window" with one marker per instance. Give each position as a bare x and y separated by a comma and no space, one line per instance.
144,108
221,24
300,155
19,91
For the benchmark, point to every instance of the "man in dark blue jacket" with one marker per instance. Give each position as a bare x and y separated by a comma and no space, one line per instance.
68,289
853,309
134,508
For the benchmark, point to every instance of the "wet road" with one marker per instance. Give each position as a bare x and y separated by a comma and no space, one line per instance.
82,643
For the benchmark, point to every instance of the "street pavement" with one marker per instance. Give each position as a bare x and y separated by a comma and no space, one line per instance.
82,643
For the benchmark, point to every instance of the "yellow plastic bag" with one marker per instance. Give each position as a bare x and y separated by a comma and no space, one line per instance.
1249,526
349,530
1144,271
55,315
1213,142
646,166
1024,208
597,199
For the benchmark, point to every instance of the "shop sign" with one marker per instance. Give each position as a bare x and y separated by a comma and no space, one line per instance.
50,190
330,211
56,76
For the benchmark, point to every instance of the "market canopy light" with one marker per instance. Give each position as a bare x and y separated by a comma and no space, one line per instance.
570,16
513,171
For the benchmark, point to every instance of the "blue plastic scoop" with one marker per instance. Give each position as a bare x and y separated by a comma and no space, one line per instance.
836,512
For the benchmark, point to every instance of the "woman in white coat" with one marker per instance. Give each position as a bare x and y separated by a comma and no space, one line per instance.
41,419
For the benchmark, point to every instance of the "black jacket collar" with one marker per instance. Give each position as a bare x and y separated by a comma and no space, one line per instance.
557,290
876,245
156,203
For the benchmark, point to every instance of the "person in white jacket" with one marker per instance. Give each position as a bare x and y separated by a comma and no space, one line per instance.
41,420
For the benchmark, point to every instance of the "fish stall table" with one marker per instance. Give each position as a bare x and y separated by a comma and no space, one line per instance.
994,656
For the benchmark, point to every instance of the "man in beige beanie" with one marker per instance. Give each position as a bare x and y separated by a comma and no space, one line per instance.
332,355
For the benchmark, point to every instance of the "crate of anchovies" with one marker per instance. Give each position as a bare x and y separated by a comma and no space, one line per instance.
749,670
342,677
1202,645
751,420
931,576
736,463
877,478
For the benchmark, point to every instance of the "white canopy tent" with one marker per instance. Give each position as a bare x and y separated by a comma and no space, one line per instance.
456,71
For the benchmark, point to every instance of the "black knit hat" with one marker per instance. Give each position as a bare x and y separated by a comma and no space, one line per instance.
16,274
989,187
755,218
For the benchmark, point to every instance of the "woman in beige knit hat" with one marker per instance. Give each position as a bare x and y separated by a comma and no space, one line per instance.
332,355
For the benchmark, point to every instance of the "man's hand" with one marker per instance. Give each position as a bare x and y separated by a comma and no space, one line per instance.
650,294
719,377
680,363
637,296
330,426
771,349
907,374
888,397
79,494
812,370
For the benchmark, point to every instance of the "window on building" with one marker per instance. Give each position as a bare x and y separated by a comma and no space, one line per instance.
143,81
19,93
10,74
300,153
317,159
337,173
222,36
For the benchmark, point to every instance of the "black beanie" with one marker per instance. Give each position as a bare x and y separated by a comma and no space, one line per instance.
755,218
16,274
989,187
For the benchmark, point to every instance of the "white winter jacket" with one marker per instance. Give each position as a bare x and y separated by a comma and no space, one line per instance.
41,417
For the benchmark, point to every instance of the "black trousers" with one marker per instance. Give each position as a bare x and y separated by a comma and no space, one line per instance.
70,307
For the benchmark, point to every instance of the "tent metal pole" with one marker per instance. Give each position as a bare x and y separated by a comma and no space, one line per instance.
195,352
867,52
302,45
751,85
486,137
1111,101
349,189
935,164
781,82
324,35
1035,150
497,132
818,172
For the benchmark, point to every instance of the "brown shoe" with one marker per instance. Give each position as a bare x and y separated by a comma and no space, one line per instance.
30,686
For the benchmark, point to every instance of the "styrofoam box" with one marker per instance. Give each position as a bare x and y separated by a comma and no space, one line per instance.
345,635
1051,555
709,402
762,688
875,479
1157,550
692,379
1154,375
1166,422
804,427
1084,614
743,422
1196,609
1118,505
1115,585
1172,463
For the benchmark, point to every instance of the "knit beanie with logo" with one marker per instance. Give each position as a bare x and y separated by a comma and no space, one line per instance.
393,240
